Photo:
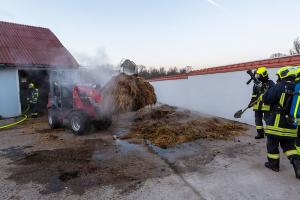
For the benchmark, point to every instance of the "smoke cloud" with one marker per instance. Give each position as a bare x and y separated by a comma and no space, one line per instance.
96,68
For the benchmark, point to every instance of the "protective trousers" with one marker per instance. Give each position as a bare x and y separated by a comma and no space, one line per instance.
259,117
297,143
287,145
33,110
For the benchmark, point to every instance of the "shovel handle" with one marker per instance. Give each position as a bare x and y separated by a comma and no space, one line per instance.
239,113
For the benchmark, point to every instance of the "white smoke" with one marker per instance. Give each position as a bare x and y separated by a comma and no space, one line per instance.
97,59
96,68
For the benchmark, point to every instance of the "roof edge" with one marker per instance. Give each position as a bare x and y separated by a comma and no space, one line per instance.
24,25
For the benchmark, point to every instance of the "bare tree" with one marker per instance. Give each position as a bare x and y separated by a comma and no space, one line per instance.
152,72
297,45
172,71
188,69
296,48
277,55
294,51
144,72
141,68
162,71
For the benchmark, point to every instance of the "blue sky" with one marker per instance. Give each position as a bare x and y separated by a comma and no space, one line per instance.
201,33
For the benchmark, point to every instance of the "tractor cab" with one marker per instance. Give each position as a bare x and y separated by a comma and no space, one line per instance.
77,105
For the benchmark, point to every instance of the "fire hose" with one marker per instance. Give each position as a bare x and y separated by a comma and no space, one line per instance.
24,117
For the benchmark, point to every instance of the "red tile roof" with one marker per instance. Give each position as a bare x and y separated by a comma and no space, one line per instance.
269,63
25,46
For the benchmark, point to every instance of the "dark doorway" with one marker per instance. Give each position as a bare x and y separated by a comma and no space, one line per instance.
40,78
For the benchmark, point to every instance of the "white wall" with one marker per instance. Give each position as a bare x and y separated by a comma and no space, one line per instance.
9,93
219,94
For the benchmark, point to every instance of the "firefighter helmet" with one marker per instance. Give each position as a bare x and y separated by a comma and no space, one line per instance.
262,71
31,85
297,71
286,72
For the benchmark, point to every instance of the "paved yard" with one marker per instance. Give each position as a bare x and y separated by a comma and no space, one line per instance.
39,163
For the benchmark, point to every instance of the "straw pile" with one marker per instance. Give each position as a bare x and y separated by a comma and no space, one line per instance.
125,93
165,126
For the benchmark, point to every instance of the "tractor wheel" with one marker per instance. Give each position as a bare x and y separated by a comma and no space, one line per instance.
53,120
103,124
79,123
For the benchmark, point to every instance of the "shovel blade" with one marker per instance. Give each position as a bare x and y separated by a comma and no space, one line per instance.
238,114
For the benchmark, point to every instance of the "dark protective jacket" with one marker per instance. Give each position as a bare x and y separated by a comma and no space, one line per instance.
257,91
279,97
33,95
297,81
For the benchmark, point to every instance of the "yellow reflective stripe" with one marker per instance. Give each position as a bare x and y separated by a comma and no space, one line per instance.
276,124
283,129
297,106
291,152
272,132
265,107
282,99
298,148
277,119
259,127
254,95
255,106
273,156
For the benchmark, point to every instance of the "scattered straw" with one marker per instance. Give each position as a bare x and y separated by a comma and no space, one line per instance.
164,127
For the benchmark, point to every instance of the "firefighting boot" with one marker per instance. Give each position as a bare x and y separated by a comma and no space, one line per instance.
296,164
260,135
273,164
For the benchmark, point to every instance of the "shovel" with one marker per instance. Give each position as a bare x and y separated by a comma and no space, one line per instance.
239,113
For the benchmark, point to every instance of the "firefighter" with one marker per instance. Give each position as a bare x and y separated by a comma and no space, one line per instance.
32,98
297,143
260,109
280,130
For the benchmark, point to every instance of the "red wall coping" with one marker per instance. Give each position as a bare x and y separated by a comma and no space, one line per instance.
174,77
270,63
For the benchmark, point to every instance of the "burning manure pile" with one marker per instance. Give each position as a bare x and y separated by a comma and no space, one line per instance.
124,93
165,126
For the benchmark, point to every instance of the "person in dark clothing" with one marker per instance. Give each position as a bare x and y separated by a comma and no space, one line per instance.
32,98
279,128
260,109
297,142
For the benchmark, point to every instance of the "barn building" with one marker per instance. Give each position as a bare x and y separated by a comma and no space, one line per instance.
28,54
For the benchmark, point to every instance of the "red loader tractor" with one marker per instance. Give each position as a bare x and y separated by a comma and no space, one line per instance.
79,107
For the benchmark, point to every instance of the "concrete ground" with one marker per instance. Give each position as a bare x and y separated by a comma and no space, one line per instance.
39,163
